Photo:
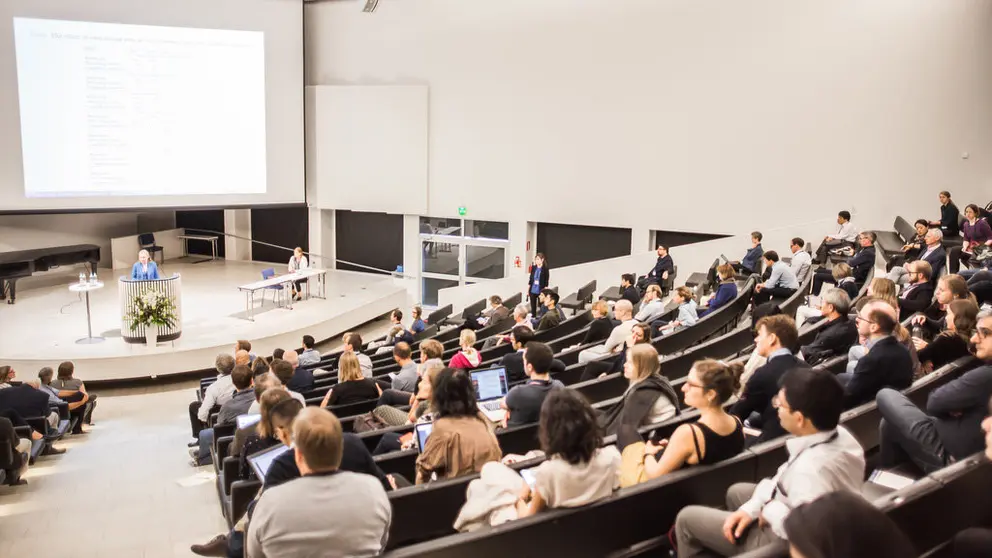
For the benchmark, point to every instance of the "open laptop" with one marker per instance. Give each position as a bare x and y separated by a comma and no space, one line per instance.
490,390
244,421
423,431
261,461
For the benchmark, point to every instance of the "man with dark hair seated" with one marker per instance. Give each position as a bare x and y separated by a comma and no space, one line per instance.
627,289
310,355
663,267
781,282
752,258
26,401
887,362
951,429
552,315
523,402
823,457
845,236
77,400
239,404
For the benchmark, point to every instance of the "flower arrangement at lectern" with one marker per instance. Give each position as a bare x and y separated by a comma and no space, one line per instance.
152,308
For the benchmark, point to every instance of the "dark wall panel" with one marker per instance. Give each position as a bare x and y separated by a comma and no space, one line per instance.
205,220
566,245
372,239
677,238
282,226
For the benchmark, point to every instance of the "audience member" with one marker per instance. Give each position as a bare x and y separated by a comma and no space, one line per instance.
845,236
613,364
976,542
277,354
726,291
538,277
951,429
918,293
352,386
932,253
601,324
823,458
492,315
284,372
838,335
302,379
843,277
801,260
843,281
244,345
949,216
861,264
883,289
716,436
843,524
628,291
687,316
623,312
976,233
952,343
578,470
781,283
949,288
353,344
652,306
776,341
395,334
19,457
261,435
752,259
216,394
310,356
649,398
514,362
326,508
238,404
663,267
392,415
259,366
887,362
67,382
461,441
523,402
468,357
418,324
912,249
552,316
77,401
242,358
406,379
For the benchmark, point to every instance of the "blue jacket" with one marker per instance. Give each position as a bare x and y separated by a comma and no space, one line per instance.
725,292
139,274
752,257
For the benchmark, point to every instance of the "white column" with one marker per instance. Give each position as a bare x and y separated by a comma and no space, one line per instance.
237,222
640,240
322,241
412,257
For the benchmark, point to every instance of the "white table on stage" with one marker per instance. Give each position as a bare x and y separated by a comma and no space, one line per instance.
284,281
85,288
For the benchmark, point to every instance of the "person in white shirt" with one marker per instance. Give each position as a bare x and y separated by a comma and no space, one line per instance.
823,458
801,260
353,344
297,262
217,393
622,311
651,305
310,355
846,235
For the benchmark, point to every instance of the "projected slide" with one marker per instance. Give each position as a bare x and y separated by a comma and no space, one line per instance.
134,110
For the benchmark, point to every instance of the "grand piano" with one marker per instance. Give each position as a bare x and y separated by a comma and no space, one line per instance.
24,263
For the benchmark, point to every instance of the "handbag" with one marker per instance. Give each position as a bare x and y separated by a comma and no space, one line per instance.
368,422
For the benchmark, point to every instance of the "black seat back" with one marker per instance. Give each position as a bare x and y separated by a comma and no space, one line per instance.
437,316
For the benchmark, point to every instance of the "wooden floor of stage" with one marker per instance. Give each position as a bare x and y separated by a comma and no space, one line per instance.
46,322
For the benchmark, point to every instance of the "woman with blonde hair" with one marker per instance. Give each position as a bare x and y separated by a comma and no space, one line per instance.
649,397
145,268
601,325
352,386
297,262
468,357
883,289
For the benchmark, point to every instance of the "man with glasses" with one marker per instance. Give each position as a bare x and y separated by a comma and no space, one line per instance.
951,428
918,294
823,458
887,362
933,253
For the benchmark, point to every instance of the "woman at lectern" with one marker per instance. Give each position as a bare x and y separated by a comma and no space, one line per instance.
144,269
297,262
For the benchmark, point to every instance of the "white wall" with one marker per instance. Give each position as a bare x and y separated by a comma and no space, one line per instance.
581,111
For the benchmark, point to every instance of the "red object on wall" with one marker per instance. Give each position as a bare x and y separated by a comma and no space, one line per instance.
516,261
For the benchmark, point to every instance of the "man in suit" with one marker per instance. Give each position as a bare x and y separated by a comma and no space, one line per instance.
887,362
627,289
861,263
777,335
662,268
918,294
933,253
838,335
494,314
514,362
302,379
951,428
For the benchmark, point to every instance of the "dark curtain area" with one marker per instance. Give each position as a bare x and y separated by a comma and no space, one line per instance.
372,239
566,245
204,220
282,226
677,238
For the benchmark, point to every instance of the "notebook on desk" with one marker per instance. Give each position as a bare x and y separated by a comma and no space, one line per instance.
490,390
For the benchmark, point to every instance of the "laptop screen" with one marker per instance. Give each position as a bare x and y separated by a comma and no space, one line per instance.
244,421
489,384
424,430
261,461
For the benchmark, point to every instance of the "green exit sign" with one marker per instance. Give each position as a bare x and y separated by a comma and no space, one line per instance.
462,210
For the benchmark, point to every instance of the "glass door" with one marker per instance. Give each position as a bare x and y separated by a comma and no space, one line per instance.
456,252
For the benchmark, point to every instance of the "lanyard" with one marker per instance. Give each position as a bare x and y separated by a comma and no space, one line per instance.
778,485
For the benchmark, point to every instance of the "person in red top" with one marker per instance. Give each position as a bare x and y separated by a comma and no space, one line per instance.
469,357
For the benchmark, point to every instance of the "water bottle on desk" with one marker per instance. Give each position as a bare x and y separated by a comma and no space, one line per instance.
92,278
82,278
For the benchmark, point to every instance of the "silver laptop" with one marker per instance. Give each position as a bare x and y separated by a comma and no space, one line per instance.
261,461
490,390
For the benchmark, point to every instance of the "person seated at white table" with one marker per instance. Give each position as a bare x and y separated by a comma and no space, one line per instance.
144,269
296,263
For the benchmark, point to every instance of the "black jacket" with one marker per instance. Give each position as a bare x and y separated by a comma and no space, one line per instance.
861,263
599,330
887,364
355,457
949,219
545,277
663,264
834,339
959,408
851,288
637,403
937,259
758,394
25,401
917,299
514,364
632,295
301,381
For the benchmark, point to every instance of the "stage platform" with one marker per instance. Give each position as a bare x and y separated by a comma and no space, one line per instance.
42,328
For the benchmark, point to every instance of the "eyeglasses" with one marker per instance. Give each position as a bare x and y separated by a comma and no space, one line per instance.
983,332
692,384
860,319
